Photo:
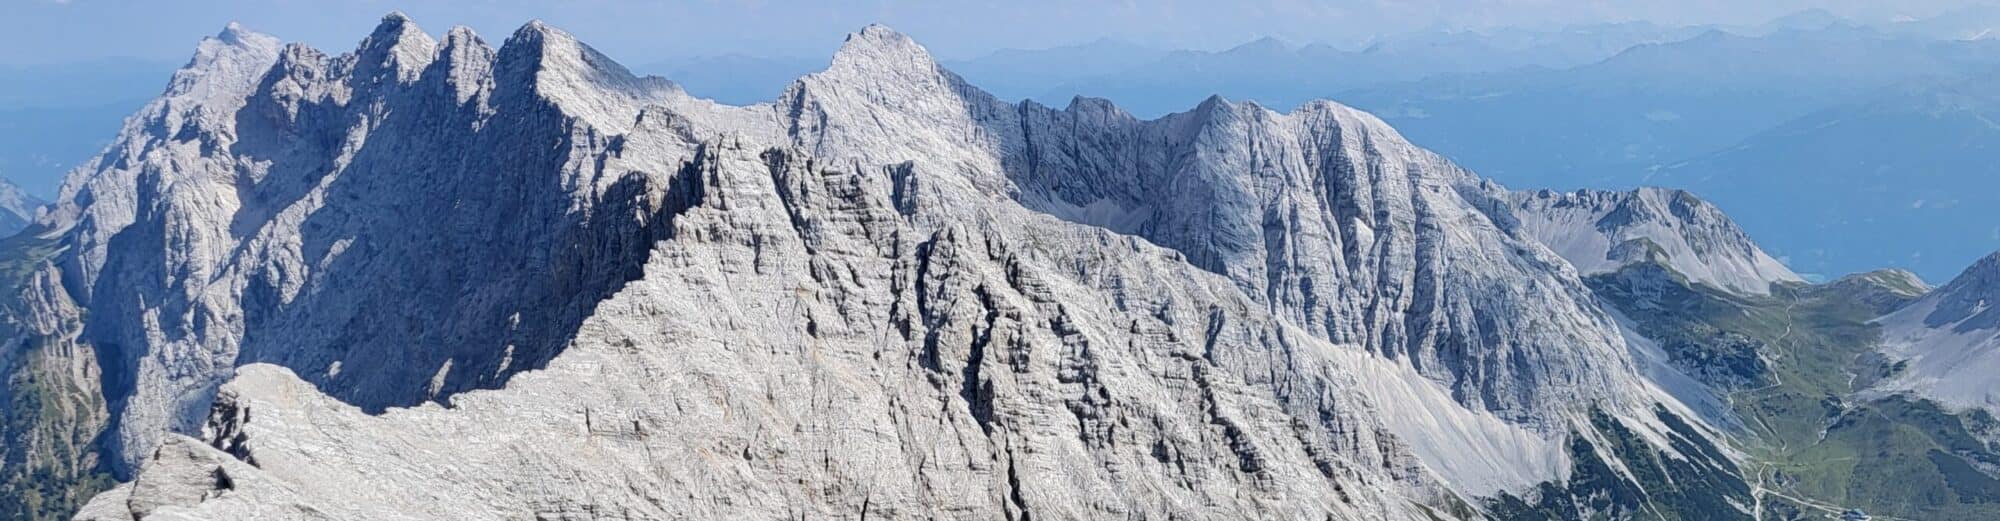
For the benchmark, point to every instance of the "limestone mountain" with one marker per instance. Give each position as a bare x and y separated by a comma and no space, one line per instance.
435,278
1947,344
17,208
1601,232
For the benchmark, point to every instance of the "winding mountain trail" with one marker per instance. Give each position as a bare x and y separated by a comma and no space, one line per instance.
1758,490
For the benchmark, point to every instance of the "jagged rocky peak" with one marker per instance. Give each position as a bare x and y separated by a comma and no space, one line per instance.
468,63
1378,133
1096,112
914,351
234,33
1304,312
1603,231
194,114
235,204
883,100
585,83
880,58
397,47
1970,301
1948,342
1330,218
223,62
878,49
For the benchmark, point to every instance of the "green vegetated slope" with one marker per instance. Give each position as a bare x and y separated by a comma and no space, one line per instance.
53,405
1790,364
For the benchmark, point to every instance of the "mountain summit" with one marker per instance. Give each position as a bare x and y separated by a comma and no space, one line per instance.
1948,342
17,208
1600,232
448,281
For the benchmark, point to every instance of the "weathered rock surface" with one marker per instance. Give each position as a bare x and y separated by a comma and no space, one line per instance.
1947,344
802,348
17,208
1600,232
449,281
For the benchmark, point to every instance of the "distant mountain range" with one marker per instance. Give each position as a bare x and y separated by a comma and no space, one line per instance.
1607,123
1905,178
1609,106
1973,22
1282,74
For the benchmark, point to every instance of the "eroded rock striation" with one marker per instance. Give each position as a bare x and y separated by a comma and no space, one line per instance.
445,280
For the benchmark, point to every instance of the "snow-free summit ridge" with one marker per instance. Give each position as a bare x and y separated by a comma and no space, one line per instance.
885,293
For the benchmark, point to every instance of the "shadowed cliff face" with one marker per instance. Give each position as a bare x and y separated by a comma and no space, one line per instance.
338,223
1968,303
1324,214
1602,232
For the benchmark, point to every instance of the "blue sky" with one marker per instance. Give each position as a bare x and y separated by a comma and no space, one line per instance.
54,31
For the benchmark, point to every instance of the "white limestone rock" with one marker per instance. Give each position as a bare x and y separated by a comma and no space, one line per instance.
462,282
1600,232
17,208
1947,344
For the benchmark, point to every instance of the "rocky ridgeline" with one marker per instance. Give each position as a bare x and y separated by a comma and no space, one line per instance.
432,278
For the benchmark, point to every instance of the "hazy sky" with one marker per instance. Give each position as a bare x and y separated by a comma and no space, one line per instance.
45,31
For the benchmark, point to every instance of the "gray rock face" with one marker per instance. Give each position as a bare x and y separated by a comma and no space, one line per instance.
1967,302
448,281
1600,232
1325,215
281,205
17,208
802,348
1948,342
